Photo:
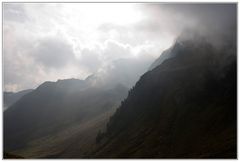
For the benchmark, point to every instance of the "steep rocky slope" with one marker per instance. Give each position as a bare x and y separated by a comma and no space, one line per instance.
183,108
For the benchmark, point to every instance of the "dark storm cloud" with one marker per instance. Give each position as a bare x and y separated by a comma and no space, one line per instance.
213,21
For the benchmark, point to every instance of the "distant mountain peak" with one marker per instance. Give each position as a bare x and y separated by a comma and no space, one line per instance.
9,98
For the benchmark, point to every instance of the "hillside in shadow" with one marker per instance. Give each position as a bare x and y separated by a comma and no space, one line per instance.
183,108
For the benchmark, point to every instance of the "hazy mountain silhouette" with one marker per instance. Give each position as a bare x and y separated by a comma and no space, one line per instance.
185,107
10,98
169,53
56,109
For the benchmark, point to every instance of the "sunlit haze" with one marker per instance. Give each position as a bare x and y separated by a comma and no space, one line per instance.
51,41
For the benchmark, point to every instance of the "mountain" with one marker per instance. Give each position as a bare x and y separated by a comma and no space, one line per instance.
56,112
11,156
10,97
185,107
167,54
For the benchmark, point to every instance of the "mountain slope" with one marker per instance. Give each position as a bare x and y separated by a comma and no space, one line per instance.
167,54
183,108
52,108
10,98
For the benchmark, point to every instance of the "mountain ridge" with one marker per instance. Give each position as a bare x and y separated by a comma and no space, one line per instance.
54,106
9,98
183,108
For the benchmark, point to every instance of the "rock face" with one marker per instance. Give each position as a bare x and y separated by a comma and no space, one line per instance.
183,108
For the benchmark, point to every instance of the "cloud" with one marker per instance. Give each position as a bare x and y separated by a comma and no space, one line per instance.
213,21
14,12
127,71
53,52
115,63
90,59
47,42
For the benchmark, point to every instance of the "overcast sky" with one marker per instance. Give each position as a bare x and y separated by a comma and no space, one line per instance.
51,41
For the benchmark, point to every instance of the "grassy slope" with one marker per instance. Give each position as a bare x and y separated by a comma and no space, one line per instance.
72,142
